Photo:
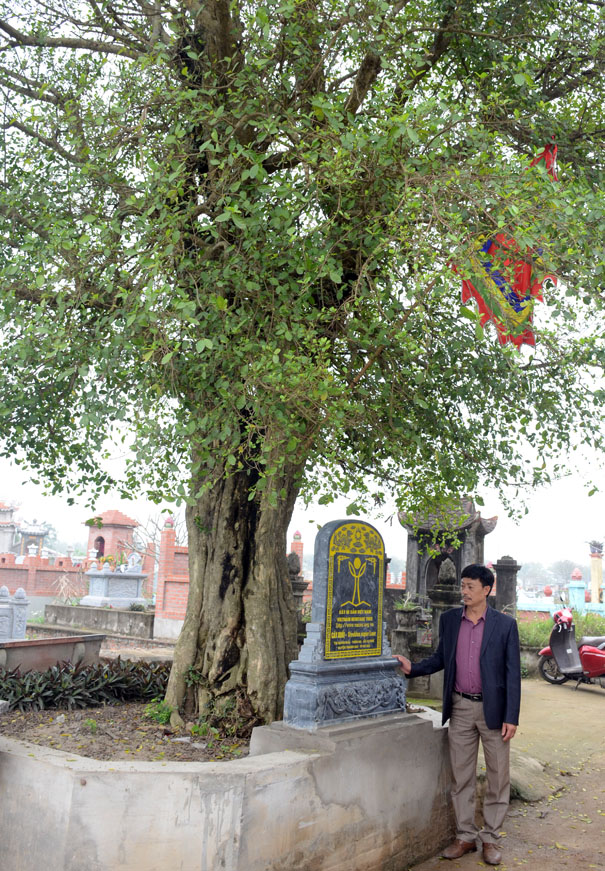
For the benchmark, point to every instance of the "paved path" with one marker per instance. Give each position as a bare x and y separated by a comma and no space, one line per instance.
559,752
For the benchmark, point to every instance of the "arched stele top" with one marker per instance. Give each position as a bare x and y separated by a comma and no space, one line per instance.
348,584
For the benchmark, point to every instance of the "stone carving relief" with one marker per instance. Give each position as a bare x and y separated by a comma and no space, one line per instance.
19,624
122,589
5,626
361,698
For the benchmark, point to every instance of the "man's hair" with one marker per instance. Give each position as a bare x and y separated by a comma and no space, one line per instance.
479,573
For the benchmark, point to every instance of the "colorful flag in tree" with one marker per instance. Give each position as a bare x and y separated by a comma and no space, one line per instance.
514,279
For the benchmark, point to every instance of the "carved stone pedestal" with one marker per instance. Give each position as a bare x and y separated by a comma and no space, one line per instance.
322,692
13,614
443,597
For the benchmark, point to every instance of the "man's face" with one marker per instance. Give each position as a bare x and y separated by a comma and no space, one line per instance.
474,594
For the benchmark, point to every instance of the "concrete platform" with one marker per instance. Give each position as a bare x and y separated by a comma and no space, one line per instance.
367,797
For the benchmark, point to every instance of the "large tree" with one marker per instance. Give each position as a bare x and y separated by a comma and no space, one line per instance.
228,233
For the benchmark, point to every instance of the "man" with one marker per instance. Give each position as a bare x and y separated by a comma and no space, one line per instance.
479,652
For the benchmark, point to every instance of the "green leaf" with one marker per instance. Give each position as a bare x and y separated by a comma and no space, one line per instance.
204,344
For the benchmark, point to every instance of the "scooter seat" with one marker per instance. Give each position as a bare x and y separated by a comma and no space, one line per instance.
592,640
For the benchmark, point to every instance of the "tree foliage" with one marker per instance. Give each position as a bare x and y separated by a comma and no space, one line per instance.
227,232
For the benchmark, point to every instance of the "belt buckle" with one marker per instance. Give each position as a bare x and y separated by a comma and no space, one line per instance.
472,697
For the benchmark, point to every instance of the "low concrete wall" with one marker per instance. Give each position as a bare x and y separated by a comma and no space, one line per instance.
112,621
166,627
367,797
529,659
40,653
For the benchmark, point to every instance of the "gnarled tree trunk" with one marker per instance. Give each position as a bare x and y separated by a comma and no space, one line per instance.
240,625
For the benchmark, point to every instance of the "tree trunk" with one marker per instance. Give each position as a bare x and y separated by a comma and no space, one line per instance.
239,633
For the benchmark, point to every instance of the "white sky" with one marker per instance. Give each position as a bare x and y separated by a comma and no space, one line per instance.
560,522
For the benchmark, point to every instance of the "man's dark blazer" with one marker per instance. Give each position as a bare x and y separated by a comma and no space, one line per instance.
499,664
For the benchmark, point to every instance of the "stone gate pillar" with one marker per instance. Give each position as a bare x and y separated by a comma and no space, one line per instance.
506,585
596,569
444,595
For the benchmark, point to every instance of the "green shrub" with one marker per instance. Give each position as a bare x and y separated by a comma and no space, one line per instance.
76,686
37,618
159,710
534,632
589,624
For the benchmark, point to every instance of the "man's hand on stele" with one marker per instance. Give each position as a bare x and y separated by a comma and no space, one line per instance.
404,662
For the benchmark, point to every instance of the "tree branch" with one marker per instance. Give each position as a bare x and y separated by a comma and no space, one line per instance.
45,140
16,216
95,45
366,76
381,348
582,78
30,87
220,32
441,43
134,42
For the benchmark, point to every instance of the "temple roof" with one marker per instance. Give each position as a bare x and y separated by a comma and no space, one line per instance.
115,518
450,520
33,529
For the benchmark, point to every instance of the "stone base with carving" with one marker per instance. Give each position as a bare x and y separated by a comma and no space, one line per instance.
324,692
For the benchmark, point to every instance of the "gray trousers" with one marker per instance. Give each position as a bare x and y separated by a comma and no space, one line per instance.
467,725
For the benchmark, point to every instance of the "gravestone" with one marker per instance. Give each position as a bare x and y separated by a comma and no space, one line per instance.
119,589
345,670
13,614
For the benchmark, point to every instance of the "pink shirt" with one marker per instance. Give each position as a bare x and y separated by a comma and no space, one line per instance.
468,649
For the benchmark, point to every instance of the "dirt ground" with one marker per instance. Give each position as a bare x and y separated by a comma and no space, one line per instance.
118,732
564,831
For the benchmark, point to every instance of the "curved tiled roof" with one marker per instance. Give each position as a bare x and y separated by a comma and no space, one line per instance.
116,518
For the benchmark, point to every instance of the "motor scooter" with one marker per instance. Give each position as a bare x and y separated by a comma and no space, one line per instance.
567,659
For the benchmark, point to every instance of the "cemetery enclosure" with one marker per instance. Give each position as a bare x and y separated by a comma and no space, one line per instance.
370,796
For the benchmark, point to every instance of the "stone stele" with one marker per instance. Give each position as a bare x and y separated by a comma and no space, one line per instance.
345,670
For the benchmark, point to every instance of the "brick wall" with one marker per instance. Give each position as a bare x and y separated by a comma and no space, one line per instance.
38,576
112,534
396,580
297,547
173,578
